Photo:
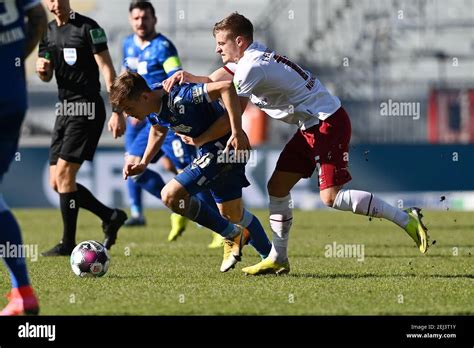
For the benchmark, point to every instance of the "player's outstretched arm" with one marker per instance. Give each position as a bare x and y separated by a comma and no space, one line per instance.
225,90
117,123
155,140
183,76
35,27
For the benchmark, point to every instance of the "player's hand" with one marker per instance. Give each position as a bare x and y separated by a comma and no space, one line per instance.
43,66
239,142
116,125
179,77
131,169
188,140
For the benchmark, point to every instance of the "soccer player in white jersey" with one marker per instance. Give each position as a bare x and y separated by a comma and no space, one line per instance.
287,92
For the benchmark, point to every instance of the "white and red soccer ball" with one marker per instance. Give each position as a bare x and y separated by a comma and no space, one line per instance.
90,259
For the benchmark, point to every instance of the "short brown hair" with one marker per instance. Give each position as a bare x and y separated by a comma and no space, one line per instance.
128,85
236,24
142,5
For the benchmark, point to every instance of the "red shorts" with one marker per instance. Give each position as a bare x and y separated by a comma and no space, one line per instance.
324,146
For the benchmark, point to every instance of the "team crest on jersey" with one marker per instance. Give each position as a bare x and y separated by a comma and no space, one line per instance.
70,55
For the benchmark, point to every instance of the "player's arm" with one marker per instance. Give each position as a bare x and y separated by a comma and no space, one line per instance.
217,130
35,27
225,91
155,141
116,124
182,76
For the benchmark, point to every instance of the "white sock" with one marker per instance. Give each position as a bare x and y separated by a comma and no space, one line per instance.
281,218
365,203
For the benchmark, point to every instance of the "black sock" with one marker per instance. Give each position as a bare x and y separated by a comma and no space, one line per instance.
89,202
69,209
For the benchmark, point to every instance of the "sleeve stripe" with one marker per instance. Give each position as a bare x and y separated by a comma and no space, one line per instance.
172,63
228,70
204,88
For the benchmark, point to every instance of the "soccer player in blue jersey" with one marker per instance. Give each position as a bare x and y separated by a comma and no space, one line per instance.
17,41
194,110
154,57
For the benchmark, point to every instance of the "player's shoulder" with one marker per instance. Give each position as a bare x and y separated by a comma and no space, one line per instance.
84,21
187,93
129,41
161,42
253,59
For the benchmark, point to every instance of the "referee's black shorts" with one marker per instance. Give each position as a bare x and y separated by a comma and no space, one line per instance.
77,130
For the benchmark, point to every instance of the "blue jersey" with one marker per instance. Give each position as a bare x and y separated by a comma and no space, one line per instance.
12,45
155,62
188,110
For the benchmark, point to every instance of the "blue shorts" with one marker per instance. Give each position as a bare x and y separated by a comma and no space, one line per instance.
224,180
10,125
178,152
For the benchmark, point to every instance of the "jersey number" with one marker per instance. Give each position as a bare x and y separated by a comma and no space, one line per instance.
299,70
177,146
11,12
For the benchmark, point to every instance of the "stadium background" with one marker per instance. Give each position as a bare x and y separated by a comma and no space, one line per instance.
370,53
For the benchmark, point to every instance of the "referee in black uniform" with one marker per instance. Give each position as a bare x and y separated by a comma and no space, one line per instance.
74,48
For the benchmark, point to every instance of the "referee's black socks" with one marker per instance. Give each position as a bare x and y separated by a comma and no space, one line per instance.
69,209
89,202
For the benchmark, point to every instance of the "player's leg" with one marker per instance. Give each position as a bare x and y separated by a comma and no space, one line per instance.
177,155
22,299
134,190
368,204
206,196
281,219
333,174
136,206
295,162
234,211
175,196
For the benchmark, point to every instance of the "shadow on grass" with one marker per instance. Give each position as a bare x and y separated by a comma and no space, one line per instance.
377,276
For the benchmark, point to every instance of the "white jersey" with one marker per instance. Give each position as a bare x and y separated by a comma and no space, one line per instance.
281,88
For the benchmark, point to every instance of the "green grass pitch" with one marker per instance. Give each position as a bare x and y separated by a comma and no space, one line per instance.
149,276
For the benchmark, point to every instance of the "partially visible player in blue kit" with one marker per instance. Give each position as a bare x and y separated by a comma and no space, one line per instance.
194,110
154,57
18,41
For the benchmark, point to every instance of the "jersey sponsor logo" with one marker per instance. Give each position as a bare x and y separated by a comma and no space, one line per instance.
12,35
198,95
181,128
70,55
98,36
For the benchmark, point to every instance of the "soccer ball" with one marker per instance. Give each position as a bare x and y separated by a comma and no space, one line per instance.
90,259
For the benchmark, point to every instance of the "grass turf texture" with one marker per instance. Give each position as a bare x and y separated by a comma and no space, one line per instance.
183,278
